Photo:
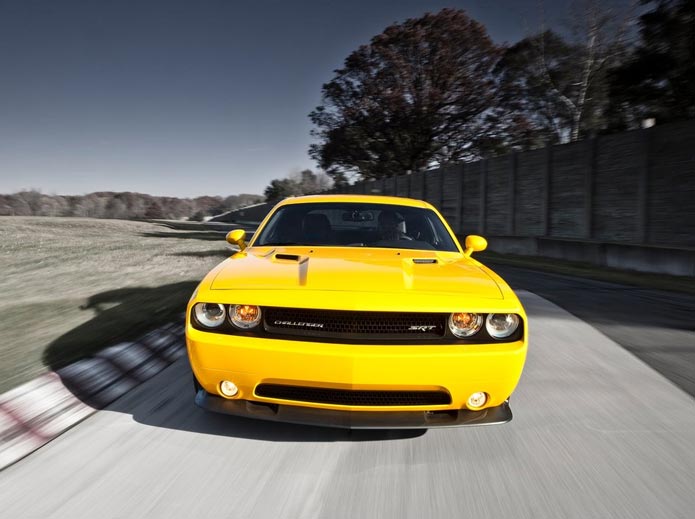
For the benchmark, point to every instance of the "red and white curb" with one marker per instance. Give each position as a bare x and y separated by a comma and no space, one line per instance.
34,413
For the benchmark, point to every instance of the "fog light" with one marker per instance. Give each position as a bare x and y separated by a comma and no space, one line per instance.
228,388
477,400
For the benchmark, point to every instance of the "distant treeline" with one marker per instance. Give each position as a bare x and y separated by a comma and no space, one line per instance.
125,206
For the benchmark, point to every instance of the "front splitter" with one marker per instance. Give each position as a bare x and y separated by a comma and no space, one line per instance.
354,419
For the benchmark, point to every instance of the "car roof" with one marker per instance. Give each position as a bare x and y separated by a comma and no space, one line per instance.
374,199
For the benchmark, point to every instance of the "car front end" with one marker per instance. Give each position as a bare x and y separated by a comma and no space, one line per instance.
356,336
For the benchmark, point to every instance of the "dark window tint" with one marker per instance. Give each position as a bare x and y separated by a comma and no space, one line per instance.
351,224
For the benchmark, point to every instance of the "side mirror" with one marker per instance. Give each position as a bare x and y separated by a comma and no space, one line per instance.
474,243
237,237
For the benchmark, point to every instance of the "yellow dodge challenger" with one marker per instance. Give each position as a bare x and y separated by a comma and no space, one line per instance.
356,311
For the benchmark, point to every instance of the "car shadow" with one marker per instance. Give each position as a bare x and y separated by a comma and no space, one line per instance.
133,362
119,315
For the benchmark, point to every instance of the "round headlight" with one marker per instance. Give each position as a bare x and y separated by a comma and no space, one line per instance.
465,324
245,316
500,326
209,314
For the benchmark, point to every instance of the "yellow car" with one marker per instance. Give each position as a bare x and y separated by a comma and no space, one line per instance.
356,311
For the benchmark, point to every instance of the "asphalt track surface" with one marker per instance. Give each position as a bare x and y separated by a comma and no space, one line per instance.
597,433
655,325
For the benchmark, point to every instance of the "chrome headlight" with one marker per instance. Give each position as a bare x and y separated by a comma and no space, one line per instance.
210,315
245,317
465,324
501,326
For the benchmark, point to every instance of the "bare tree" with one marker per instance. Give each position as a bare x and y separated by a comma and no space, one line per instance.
565,79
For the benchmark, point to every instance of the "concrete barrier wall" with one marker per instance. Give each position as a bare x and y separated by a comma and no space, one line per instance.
624,200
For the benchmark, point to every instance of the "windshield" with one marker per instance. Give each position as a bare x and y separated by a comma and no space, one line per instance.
353,224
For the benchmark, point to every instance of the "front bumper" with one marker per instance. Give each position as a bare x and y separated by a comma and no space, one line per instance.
354,419
458,371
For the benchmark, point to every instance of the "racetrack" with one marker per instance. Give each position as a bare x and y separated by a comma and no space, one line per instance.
596,433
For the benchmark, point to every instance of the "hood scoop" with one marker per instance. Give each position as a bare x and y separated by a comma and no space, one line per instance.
424,261
296,258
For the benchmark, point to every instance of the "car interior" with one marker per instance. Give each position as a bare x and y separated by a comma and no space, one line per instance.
357,225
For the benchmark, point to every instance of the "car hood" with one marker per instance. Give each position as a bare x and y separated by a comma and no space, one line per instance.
355,270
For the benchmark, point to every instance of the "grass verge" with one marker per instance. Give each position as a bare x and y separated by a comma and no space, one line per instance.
72,286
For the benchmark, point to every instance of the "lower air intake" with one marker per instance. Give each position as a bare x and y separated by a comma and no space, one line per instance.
352,397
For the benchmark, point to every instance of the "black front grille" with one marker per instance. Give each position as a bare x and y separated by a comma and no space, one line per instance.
352,397
354,324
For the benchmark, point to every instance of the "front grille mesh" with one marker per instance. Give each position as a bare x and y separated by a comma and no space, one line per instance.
354,324
352,397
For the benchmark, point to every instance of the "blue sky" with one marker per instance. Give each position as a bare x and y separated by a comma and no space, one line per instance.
184,98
